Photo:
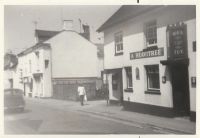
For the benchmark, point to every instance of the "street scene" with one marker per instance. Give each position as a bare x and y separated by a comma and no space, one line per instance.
47,116
100,69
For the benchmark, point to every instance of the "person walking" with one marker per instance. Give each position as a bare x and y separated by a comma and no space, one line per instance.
81,93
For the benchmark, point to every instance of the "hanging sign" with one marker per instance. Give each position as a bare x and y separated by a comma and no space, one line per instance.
177,41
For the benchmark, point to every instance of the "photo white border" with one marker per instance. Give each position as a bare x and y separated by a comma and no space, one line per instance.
98,2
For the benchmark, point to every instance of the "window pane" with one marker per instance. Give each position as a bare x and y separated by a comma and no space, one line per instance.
153,77
154,81
118,42
151,33
129,77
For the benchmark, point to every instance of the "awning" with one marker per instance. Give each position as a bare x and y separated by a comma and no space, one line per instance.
175,62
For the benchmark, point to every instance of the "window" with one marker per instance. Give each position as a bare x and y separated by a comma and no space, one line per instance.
118,43
129,77
153,81
46,62
151,33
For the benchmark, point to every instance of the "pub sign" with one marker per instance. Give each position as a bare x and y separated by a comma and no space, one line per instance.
177,41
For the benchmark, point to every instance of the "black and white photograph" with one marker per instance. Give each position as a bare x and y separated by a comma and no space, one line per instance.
99,69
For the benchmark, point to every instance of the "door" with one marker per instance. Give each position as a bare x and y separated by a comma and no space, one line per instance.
180,85
117,86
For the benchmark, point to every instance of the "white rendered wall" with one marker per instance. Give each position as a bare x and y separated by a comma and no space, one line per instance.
133,40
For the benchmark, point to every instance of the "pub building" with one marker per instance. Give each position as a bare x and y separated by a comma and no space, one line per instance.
150,59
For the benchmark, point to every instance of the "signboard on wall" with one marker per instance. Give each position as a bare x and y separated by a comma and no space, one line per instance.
177,41
146,54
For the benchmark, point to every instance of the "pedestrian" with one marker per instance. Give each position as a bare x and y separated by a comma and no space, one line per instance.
81,93
85,97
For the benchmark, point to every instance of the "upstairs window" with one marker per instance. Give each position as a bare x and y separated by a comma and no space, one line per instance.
118,43
150,31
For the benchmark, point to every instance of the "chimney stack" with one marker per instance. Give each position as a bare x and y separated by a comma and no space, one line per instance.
68,25
86,31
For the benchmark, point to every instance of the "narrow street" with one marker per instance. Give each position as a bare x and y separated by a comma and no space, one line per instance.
40,118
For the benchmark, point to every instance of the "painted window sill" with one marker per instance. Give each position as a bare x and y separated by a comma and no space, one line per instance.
156,92
118,54
149,48
128,90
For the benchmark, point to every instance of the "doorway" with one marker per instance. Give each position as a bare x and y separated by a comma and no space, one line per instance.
180,87
117,86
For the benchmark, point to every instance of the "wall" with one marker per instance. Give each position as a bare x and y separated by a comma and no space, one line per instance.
73,56
191,33
47,73
133,41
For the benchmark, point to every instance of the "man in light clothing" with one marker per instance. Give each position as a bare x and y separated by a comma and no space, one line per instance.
81,93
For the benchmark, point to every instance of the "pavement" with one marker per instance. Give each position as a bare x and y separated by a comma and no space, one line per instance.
99,108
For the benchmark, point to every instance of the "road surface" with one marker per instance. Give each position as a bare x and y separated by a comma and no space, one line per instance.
40,118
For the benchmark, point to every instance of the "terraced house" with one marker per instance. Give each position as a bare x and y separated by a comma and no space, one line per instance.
150,58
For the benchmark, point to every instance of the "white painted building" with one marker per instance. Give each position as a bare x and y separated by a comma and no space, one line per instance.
150,58
70,58
35,70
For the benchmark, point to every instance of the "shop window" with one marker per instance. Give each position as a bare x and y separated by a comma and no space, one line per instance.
118,43
150,31
153,81
46,62
129,77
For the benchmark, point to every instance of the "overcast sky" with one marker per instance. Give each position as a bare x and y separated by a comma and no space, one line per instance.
19,26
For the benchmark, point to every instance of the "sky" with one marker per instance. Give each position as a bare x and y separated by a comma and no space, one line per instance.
19,22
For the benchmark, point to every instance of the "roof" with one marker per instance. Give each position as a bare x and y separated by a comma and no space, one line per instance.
44,35
125,12
10,61
34,47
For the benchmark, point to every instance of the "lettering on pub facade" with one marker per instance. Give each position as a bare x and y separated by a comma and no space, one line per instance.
177,41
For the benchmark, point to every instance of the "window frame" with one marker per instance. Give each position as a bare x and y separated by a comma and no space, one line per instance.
118,42
128,72
147,26
149,89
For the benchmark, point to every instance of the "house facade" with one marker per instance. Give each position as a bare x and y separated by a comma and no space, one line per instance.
150,59
34,70
59,63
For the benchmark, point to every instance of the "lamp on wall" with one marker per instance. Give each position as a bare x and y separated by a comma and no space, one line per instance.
163,79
